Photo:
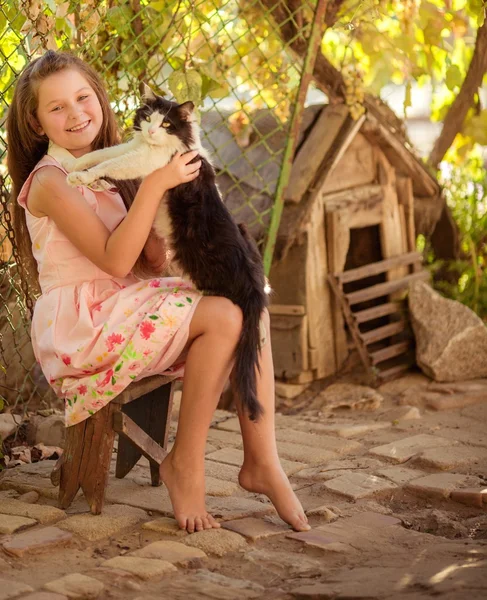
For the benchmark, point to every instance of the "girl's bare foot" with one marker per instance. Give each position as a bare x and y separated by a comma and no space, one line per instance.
273,482
186,486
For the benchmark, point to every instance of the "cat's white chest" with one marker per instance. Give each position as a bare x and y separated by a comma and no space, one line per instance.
154,157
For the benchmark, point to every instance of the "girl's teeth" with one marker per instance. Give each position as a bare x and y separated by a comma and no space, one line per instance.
79,127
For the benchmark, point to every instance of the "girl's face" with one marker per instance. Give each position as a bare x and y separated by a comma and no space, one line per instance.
69,111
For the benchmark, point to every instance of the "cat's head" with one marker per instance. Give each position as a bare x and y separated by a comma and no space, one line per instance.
159,118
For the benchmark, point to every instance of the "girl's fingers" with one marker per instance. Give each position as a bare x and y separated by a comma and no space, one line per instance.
188,157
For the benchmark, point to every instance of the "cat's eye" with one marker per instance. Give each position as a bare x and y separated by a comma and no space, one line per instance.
165,124
147,118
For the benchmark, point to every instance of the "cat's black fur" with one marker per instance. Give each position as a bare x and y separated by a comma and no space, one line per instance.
219,256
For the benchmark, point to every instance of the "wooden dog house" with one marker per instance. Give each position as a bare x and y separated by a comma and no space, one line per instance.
353,195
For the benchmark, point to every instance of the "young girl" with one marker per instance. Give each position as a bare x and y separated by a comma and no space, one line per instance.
96,327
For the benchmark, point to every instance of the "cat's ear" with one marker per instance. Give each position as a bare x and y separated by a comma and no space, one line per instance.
147,93
185,111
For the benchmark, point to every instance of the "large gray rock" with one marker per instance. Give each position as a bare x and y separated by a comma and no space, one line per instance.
451,340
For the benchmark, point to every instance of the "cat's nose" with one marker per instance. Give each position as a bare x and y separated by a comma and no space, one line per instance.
152,130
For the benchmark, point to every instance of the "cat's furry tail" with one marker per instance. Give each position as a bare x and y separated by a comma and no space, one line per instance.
247,360
248,347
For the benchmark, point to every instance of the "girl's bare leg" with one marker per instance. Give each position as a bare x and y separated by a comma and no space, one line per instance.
213,335
262,472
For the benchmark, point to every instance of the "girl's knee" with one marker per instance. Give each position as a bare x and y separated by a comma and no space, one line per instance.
223,316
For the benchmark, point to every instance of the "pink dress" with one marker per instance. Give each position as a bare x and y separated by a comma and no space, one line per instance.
92,333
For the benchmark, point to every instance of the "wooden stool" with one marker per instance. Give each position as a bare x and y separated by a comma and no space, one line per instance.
141,415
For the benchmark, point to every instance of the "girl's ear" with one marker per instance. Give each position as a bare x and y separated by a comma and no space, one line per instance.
185,111
147,93
34,123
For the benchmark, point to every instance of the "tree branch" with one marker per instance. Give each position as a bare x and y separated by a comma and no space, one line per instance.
327,76
458,110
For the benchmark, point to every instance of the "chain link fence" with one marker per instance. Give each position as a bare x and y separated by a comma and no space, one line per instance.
228,57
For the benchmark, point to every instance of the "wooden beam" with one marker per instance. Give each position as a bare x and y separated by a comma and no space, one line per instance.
379,267
384,289
381,333
314,149
346,198
401,157
286,309
390,352
124,425
369,314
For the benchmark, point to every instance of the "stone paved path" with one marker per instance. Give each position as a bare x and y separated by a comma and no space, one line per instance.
397,499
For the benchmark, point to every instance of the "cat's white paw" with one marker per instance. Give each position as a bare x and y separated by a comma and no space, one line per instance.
80,178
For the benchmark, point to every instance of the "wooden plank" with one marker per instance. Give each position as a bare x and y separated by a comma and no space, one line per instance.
319,297
351,197
384,289
151,413
287,309
124,425
338,243
369,314
393,372
390,352
289,335
314,149
86,459
381,333
354,164
405,196
379,267
354,330
401,157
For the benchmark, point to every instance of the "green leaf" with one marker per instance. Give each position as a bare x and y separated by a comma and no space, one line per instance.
186,86
189,299
153,317
114,381
178,304
454,78
118,367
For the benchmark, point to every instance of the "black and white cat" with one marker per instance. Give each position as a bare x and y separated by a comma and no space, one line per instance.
215,253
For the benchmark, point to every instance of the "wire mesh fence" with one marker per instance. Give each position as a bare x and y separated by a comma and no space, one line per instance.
228,57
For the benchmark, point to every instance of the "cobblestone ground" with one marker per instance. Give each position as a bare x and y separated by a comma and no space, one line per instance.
394,496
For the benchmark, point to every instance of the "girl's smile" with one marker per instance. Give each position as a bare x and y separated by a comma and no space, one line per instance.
80,128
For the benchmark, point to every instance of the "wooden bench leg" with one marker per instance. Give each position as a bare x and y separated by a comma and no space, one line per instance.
152,413
86,459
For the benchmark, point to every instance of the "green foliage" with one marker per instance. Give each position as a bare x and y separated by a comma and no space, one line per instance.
466,193
411,41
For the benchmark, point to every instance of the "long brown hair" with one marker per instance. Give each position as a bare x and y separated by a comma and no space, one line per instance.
26,147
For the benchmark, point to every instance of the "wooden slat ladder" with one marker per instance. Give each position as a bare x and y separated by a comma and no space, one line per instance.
372,357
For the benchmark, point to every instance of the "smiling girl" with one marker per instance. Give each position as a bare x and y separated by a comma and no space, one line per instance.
96,327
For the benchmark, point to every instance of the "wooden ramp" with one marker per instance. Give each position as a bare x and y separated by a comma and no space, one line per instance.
376,314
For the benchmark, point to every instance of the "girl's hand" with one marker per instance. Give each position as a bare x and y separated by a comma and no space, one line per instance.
177,171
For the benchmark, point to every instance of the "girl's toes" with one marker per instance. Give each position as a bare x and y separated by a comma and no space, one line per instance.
206,522
190,525
213,523
198,524
182,522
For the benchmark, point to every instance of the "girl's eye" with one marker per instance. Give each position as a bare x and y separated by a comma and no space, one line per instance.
83,97
165,124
